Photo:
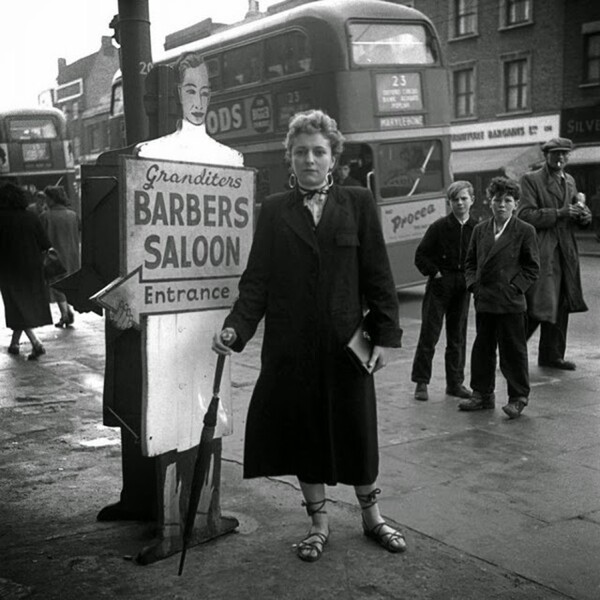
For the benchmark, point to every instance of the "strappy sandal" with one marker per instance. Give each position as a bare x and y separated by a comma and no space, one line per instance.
392,539
311,547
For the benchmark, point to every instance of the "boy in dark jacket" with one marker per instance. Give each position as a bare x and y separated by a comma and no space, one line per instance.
440,256
502,263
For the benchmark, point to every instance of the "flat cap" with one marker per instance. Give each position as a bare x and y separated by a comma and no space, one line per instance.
558,144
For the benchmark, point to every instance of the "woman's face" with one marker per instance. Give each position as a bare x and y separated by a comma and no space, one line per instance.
311,159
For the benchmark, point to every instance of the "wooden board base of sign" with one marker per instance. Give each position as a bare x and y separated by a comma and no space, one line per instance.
174,474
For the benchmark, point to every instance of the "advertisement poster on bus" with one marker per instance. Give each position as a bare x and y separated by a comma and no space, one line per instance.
404,221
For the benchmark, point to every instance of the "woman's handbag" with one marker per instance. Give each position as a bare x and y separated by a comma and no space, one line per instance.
53,266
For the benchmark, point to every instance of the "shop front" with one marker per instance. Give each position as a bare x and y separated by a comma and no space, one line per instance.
509,147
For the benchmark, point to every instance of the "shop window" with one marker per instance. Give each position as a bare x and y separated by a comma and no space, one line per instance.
287,54
464,93
463,18
94,137
242,65
516,85
591,71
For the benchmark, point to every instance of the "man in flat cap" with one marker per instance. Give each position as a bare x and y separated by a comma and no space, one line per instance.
551,203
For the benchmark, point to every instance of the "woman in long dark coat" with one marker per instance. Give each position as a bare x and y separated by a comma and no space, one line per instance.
22,284
317,258
62,226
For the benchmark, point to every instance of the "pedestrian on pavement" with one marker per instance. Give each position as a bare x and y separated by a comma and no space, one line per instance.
550,202
502,263
63,228
24,292
39,204
440,256
317,258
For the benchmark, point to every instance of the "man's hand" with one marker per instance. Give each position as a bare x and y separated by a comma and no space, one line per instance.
122,318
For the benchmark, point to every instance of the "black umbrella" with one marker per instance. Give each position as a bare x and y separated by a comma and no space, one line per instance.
202,459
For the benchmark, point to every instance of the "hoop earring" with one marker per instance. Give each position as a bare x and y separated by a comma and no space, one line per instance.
329,178
293,181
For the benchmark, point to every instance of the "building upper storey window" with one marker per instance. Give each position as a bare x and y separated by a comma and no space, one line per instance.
463,18
591,58
516,85
516,12
464,93
391,44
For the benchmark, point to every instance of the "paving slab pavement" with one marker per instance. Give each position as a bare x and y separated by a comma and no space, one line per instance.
491,508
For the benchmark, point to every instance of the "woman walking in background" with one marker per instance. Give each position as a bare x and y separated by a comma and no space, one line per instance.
62,226
24,291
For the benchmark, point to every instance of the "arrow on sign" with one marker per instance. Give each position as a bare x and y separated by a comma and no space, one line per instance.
159,296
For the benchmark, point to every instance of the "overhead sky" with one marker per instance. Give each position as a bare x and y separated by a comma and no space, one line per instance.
36,33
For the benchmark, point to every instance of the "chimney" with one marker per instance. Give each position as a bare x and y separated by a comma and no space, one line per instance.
253,9
62,63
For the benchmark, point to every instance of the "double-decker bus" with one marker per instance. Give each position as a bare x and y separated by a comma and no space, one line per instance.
374,66
34,149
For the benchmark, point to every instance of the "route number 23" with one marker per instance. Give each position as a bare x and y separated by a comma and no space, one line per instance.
398,80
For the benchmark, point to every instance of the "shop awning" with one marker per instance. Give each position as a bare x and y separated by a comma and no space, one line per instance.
512,161
585,155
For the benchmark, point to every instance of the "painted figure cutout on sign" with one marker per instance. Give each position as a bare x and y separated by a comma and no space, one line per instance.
177,364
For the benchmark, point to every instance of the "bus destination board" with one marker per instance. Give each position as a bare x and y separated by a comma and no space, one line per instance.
398,92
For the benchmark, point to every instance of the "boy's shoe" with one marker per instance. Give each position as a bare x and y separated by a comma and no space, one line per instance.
458,391
515,407
421,392
478,401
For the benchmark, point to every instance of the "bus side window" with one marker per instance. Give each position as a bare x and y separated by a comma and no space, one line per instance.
286,54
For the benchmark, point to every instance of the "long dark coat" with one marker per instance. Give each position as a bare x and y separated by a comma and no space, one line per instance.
312,413
541,197
493,265
62,226
24,290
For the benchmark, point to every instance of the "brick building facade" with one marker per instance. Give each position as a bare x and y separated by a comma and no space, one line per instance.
521,72
83,94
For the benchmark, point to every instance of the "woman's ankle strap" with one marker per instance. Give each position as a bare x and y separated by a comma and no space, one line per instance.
317,507
368,500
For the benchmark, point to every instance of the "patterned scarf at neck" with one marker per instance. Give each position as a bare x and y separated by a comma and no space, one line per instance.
314,200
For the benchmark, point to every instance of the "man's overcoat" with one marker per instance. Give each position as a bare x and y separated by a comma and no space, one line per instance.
541,197
313,413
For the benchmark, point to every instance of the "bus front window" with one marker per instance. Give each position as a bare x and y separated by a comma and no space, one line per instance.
410,168
391,44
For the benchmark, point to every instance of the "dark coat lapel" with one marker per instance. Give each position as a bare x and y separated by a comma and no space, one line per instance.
504,240
294,214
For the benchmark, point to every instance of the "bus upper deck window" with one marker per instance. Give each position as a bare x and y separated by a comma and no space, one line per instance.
242,65
286,54
391,44
32,129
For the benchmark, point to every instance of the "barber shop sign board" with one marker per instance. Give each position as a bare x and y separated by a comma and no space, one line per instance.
187,235
186,232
